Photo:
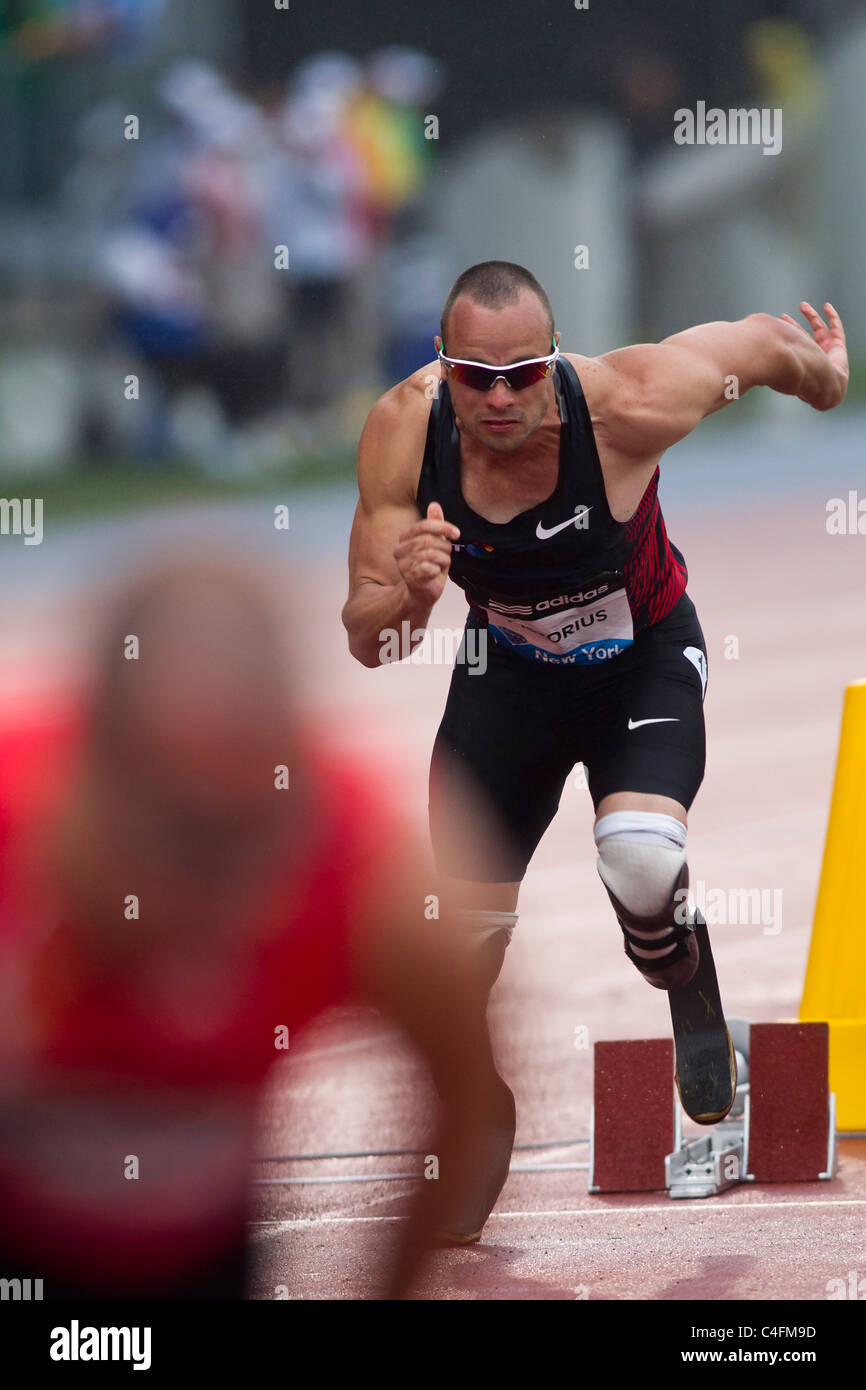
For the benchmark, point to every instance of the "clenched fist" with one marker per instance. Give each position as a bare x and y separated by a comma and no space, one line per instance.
423,555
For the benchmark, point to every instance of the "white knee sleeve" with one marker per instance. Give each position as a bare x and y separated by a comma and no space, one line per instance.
489,937
483,924
640,858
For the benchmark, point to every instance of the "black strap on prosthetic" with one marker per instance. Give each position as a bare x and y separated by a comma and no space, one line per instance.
674,939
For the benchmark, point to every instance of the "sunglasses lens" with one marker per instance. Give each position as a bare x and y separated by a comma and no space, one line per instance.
527,375
482,378
479,378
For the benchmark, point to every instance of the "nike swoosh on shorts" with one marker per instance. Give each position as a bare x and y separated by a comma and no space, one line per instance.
636,723
699,661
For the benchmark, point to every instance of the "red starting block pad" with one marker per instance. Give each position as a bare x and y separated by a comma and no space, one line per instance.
781,1127
633,1118
789,1099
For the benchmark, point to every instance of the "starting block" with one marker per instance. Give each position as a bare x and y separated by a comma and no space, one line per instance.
781,1127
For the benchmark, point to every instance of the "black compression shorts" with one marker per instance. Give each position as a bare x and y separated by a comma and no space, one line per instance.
518,729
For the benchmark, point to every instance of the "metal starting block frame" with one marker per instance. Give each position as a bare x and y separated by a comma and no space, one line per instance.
710,1163
789,1124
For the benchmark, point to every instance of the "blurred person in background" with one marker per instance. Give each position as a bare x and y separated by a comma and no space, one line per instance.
351,163
179,235
190,291
36,31
397,131
226,178
318,208
385,123
169,908
41,39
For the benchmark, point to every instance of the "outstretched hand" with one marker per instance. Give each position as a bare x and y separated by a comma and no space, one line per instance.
829,337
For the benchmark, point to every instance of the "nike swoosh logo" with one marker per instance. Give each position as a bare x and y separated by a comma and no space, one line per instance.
636,723
543,533
699,661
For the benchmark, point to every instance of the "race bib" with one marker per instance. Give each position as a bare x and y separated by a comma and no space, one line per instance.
583,628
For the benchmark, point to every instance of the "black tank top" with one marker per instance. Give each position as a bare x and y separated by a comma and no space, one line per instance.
563,581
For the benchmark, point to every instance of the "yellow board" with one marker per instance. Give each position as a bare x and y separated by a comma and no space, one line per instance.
835,986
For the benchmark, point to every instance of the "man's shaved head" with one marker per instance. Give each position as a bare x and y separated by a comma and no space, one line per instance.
496,313
494,285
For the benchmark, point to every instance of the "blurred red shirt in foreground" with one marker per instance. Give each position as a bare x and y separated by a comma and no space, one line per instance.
128,1099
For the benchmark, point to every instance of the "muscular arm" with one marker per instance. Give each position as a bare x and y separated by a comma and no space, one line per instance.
398,561
652,395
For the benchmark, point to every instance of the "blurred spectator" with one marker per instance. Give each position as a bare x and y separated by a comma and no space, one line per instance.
646,84
187,231
245,364
192,294
319,209
171,915
390,124
40,39
784,67
385,123
40,31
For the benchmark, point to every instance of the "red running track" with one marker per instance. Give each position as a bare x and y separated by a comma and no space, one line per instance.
791,596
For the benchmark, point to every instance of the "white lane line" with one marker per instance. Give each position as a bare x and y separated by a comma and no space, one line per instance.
343,1178
366,1205
683,1206
303,1223
405,1177
308,1223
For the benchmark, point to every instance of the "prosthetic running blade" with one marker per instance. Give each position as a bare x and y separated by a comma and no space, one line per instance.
706,1068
